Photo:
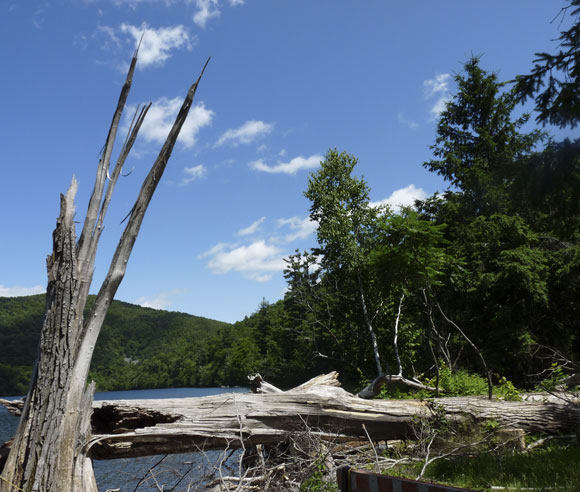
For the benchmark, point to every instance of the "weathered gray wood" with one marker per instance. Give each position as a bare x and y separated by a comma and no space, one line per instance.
145,427
49,451
14,407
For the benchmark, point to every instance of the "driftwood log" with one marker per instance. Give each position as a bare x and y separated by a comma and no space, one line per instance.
127,428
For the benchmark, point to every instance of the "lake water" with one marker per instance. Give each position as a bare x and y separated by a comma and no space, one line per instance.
152,473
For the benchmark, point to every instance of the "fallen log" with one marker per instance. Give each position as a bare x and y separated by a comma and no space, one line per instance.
144,427
130,428
14,407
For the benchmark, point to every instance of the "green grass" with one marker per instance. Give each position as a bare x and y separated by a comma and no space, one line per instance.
555,468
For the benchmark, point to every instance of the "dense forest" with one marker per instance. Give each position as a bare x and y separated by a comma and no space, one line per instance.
483,277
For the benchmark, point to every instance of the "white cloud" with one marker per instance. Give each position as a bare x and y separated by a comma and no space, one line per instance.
159,301
404,197
410,123
440,84
291,167
207,9
156,43
439,107
192,173
162,114
263,278
245,134
235,3
437,87
214,250
251,228
21,291
256,260
109,41
302,227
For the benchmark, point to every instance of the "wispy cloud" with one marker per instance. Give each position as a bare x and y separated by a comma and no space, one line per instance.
156,44
410,123
206,10
39,16
235,3
263,278
252,228
192,173
403,197
438,88
21,291
162,300
292,167
302,228
107,38
161,116
256,260
245,134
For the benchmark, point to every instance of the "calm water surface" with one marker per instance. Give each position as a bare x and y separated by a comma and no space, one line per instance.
168,473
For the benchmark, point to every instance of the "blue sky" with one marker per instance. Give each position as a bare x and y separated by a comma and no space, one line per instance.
287,81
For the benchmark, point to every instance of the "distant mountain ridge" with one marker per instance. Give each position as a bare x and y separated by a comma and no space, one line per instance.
138,347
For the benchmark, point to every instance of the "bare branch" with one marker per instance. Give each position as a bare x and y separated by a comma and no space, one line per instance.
119,263
395,344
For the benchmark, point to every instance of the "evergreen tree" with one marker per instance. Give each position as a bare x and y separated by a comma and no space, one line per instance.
558,103
478,146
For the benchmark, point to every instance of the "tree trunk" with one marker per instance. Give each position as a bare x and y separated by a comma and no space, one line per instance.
49,451
396,336
370,329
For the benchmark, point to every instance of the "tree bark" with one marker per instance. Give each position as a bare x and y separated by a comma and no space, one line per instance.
49,451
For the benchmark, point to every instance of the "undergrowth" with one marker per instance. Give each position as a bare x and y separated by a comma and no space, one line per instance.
555,467
455,383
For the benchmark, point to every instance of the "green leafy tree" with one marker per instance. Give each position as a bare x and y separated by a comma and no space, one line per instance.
319,309
340,206
410,259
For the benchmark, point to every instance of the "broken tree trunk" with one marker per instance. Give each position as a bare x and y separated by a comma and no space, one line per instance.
145,427
49,451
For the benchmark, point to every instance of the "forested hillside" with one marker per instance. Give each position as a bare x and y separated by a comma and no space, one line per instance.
138,347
